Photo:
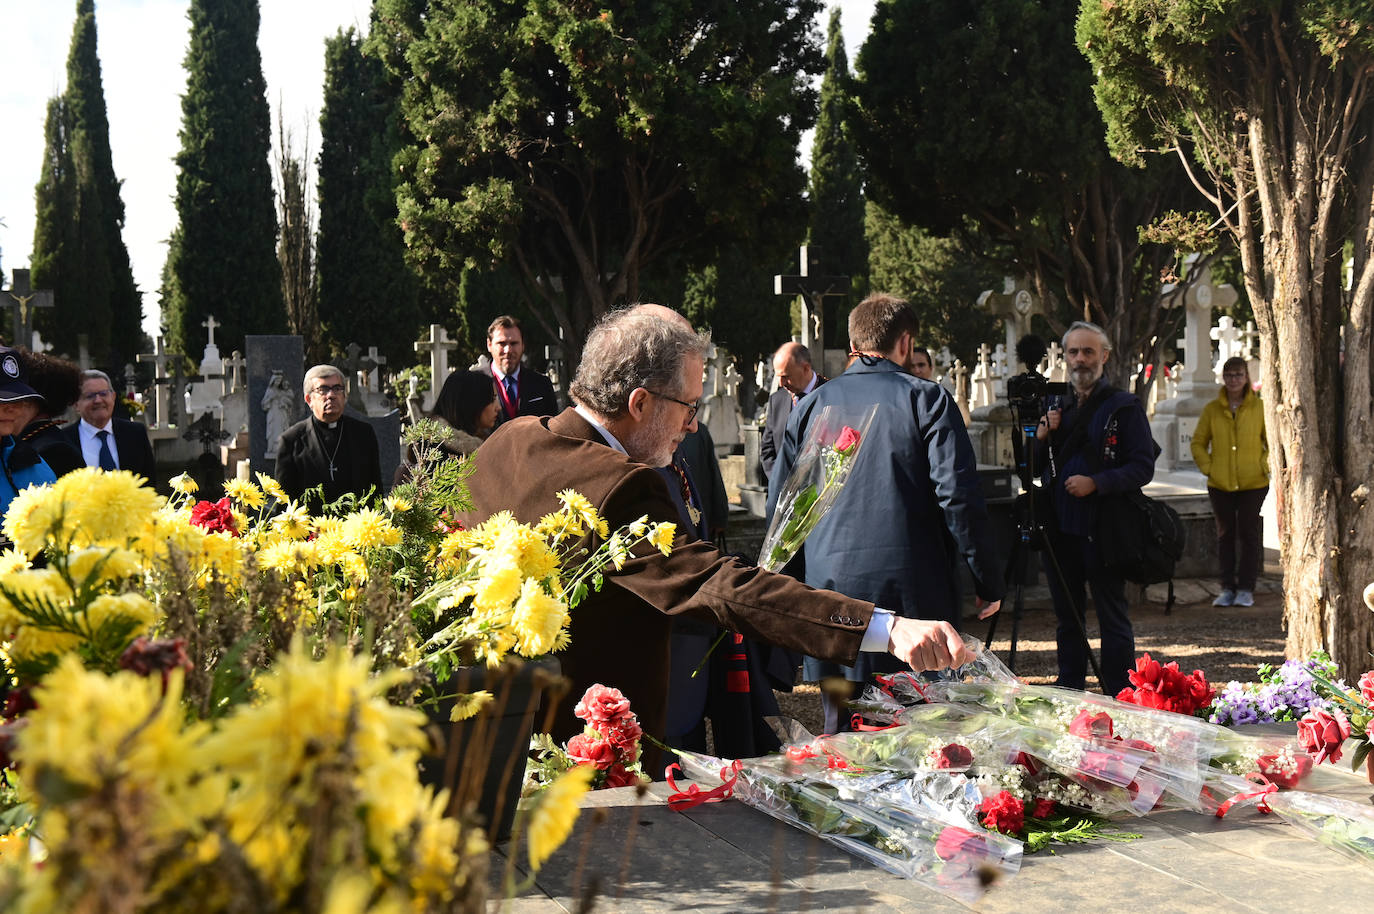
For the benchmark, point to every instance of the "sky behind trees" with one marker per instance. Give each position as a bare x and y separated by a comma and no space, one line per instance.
142,45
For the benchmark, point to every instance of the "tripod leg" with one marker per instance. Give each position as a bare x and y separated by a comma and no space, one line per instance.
1079,614
1016,577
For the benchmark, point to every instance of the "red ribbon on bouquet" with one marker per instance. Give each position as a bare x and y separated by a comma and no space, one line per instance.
856,724
1266,787
694,795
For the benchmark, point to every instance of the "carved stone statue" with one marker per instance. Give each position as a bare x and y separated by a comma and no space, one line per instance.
277,403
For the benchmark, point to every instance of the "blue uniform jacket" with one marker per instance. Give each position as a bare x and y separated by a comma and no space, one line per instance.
21,471
912,507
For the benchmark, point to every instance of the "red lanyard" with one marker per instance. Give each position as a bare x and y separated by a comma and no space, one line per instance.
510,408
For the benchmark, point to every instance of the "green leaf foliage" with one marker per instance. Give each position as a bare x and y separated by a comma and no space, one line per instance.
222,257
589,145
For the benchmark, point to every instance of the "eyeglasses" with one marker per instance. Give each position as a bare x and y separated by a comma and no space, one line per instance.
97,395
1233,374
691,407
326,389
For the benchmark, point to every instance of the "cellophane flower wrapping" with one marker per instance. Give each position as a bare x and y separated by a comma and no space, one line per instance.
922,827
833,442
1342,825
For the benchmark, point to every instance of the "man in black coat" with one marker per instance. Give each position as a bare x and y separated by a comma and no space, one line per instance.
520,391
103,440
327,448
796,379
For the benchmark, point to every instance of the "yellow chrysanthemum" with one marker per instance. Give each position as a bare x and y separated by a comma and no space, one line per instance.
184,484
109,607
537,620
102,507
113,564
498,585
30,643
661,537
245,493
285,556
368,528
14,848
39,587
577,504
12,560
396,504
553,817
33,518
465,706
293,523
272,488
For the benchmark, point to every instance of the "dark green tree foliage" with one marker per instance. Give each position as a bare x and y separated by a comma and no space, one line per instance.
584,142
296,247
941,279
361,255
223,253
1269,105
837,200
981,114
90,275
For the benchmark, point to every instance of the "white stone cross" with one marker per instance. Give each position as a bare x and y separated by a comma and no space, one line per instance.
374,360
438,346
1229,339
161,398
210,324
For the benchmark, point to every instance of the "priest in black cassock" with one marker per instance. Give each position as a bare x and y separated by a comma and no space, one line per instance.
328,449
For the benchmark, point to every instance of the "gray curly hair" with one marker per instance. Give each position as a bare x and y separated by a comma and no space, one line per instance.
630,349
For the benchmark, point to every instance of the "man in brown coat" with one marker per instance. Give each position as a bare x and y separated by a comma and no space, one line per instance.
635,393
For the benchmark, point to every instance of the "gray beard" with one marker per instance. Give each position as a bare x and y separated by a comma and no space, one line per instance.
652,443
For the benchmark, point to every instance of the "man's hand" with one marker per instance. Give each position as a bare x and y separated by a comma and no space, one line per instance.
986,609
1080,486
1048,423
925,645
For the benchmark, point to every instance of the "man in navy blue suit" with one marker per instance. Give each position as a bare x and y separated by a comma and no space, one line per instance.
912,509
103,440
520,391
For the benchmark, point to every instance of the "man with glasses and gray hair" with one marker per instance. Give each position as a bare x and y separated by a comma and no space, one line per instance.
635,394
328,450
104,440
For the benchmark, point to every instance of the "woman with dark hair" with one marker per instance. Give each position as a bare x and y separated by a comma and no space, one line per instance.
467,402
1230,446
58,384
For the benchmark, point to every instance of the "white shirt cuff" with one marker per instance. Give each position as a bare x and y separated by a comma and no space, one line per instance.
879,632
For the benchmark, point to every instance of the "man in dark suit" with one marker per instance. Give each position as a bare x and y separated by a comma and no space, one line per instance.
103,440
796,379
912,509
635,395
327,448
520,391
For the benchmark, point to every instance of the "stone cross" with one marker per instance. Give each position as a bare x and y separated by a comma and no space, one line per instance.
556,365
130,380
176,403
812,285
373,363
210,324
1016,304
961,392
983,378
38,344
1230,340
1199,298
159,358
233,371
21,299
438,346
1053,366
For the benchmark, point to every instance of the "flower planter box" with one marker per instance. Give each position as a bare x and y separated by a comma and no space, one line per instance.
482,760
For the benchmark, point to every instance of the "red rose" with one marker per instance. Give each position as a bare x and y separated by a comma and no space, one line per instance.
601,704
1367,687
1004,813
847,442
955,842
618,776
1283,777
1044,808
1321,734
1026,762
1088,725
215,517
954,756
592,749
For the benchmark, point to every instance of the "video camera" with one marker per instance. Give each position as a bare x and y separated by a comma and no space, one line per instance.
1029,393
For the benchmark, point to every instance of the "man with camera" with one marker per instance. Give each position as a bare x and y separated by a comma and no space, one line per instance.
1097,444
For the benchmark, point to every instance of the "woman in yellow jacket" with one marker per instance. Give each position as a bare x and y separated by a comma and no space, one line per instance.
1231,448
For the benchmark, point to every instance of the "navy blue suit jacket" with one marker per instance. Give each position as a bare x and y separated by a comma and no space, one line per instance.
131,440
911,510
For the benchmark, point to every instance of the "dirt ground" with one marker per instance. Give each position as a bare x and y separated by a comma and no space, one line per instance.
1225,643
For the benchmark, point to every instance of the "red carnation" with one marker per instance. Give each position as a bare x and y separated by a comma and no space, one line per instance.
618,776
216,517
954,756
1004,813
601,704
1044,808
1321,734
592,749
1281,776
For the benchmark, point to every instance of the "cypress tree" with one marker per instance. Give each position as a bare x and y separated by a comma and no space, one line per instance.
360,256
90,275
222,255
837,201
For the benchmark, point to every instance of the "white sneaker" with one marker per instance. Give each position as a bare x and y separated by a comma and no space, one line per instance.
1245,598
1227,598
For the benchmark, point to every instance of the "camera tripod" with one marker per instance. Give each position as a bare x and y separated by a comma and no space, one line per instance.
1031,537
